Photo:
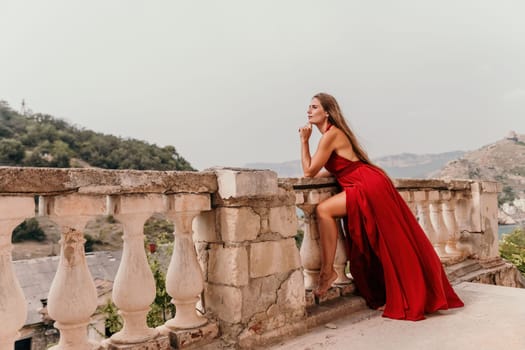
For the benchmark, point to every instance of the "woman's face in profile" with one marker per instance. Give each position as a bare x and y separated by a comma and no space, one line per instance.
316,113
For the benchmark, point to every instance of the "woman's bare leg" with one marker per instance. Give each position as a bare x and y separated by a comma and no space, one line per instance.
326,212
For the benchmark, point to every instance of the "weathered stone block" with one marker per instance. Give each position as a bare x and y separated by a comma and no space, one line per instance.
267,258
291,294
203,257
259,295
204,227
224,301
491,186
186,202
77,205
228,265
186,338
161,342
245,182
137,203
299,198
16,207
238,224
283,220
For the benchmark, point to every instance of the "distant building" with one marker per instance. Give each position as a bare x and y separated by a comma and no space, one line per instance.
35,277
512,136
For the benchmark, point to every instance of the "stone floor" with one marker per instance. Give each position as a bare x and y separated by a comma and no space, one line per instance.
493,318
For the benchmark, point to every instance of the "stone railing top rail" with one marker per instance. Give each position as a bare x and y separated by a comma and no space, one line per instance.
401,184
42,181
49,181
301,183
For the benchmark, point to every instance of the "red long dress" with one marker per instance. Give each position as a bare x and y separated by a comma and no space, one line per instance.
391,259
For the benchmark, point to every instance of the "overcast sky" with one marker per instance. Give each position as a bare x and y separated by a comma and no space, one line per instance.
228,82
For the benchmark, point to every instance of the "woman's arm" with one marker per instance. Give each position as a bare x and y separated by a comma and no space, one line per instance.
323,173
312,165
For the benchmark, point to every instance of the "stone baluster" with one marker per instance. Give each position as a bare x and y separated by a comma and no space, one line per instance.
436,216
134,285
463,217
340,258
184,279
310,250
449,218
13,306
72,296
421,198
409,199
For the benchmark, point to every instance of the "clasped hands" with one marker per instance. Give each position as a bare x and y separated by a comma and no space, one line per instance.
305,132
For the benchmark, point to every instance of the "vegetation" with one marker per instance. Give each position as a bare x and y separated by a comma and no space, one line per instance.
507,195
161,309
113,322
512,248
29,230
41,140
90,243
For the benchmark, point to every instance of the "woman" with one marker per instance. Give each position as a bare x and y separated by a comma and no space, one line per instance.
394,265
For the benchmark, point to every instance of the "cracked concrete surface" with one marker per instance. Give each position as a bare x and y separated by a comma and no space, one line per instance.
493,318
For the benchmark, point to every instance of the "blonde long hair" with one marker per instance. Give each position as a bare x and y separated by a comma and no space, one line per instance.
336,118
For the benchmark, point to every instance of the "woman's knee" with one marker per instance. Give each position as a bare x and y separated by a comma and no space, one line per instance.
332,207
323,211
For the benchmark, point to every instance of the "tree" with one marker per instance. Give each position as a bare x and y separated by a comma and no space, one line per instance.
507,195
11,152
29,230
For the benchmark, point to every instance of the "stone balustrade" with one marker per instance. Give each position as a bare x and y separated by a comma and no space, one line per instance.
235,267
458,216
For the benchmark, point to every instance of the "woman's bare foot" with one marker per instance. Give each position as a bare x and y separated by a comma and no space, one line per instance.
325,282
381,308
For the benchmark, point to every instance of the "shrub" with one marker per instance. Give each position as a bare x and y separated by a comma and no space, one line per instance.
29,230
512,248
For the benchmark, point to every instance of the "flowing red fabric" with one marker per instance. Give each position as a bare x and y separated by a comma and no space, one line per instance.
391,259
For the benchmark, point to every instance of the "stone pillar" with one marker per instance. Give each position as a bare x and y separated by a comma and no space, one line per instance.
13,306
310,249
485,218
423,213
436,216
463,214
408,196
72,296
134,285
449,218
255,287
184,279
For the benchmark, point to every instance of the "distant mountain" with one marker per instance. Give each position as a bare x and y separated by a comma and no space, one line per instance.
502,161
45,141
407,165
410,165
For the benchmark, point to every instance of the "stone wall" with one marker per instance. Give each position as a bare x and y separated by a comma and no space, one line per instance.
254,282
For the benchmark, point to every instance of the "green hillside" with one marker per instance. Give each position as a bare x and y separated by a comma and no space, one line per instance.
41,140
